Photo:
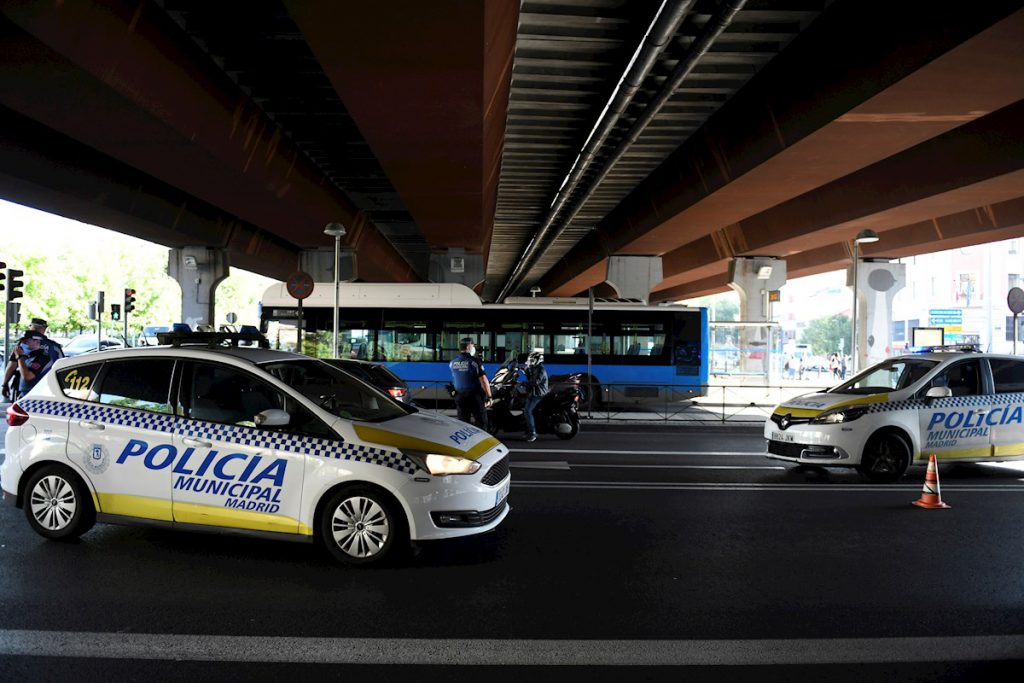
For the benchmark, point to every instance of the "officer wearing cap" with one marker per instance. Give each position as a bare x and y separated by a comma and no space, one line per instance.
33,360
472,390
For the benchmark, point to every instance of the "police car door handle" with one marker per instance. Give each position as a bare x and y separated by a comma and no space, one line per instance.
89,424
198,443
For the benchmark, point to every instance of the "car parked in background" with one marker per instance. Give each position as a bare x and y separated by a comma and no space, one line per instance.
376,375
84,343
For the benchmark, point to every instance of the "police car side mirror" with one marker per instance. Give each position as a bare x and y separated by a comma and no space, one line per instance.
272,417
939,392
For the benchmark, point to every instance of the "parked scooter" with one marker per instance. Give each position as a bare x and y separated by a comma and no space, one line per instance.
557,413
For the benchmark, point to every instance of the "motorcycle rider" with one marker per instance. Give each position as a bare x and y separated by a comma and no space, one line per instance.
472,390
536,389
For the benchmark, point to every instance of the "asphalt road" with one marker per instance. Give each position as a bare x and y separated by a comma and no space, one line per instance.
630,546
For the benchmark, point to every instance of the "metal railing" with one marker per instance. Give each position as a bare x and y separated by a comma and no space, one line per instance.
656,403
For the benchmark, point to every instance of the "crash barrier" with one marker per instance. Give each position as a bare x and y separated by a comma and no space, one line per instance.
655,403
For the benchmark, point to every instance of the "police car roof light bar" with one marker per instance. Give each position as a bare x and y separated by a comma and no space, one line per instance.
955,348
212,339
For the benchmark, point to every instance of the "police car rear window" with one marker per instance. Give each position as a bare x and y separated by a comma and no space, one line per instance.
1008,376
78,382
140,384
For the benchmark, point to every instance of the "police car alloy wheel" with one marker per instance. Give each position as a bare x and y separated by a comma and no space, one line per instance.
57,505
886,458
360,526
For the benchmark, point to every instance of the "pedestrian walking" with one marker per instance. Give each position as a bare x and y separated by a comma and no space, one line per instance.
536,390
472,390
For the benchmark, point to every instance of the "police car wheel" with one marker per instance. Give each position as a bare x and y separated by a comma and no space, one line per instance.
359,525
886,458
57,504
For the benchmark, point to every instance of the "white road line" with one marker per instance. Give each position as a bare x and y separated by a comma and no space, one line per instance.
589,451
474,652
735,486
541,465
681,467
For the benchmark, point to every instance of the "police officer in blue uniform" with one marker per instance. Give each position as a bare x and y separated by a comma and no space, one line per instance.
472,390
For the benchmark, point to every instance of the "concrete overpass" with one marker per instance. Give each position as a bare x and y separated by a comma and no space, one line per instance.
537,140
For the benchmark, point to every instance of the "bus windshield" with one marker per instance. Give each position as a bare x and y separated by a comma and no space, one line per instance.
889,375
337,392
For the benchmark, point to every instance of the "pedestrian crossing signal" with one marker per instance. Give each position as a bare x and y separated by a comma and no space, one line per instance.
115,311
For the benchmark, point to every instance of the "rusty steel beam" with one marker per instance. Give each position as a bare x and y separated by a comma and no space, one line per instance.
979,225
121,77
50,172
427,83
828,105
976,164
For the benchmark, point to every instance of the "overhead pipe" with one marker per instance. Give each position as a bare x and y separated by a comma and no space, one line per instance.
547,233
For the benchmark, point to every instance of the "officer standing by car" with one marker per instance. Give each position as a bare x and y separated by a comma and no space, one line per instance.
472,390
33,360
536,390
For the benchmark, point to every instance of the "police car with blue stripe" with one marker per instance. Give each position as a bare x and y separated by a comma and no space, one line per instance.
948,401
206,434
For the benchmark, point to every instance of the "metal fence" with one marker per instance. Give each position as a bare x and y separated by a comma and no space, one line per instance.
656,403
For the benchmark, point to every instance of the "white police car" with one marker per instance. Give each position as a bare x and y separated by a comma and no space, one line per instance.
245,440
966,407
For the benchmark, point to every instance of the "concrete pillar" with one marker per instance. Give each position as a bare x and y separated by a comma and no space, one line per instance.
454,265
320,264
633,277
198,271
752,278
877,284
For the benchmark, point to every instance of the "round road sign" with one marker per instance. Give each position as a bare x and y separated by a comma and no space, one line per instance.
232,318
299,285
1015,300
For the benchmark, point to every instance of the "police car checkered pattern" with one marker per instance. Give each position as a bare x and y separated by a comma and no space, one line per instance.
951,402
244,436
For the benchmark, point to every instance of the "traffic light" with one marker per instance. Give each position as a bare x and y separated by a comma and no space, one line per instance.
129,300
13,284
2,275
115,311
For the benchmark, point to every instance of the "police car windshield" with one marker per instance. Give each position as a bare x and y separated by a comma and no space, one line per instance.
335,391
889,375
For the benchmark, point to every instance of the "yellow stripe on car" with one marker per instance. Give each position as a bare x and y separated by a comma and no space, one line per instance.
815,412
386,438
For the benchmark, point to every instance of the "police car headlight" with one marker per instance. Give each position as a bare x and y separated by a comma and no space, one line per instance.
839,415
443,464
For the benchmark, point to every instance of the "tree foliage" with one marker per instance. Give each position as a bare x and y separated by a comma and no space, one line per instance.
60,283
824,335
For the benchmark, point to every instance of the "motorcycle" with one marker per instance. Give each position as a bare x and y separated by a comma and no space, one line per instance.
557,413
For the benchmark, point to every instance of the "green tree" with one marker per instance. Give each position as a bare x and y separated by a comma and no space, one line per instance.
825,335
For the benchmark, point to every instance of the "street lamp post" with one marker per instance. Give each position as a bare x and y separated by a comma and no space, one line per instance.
337,231
863,237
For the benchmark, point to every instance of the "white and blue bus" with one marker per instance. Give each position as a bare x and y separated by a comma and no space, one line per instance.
638,351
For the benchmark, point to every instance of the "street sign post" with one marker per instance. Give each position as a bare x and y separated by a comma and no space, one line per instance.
1015,300
299,286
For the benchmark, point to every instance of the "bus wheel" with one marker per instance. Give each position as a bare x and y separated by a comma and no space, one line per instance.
886,458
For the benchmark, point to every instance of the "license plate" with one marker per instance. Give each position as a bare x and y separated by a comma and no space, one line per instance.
783,436
501,494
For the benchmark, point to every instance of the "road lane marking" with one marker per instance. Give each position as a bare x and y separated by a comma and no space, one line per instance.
486,651
737,486
563,465
541,465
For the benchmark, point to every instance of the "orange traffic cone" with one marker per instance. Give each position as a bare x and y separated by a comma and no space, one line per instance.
930,496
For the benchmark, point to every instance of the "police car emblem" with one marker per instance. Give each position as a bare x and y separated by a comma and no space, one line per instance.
784,421
96,459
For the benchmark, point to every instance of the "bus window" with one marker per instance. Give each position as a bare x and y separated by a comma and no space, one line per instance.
405,346
640,340
515,339
571,340
453,333
355,343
